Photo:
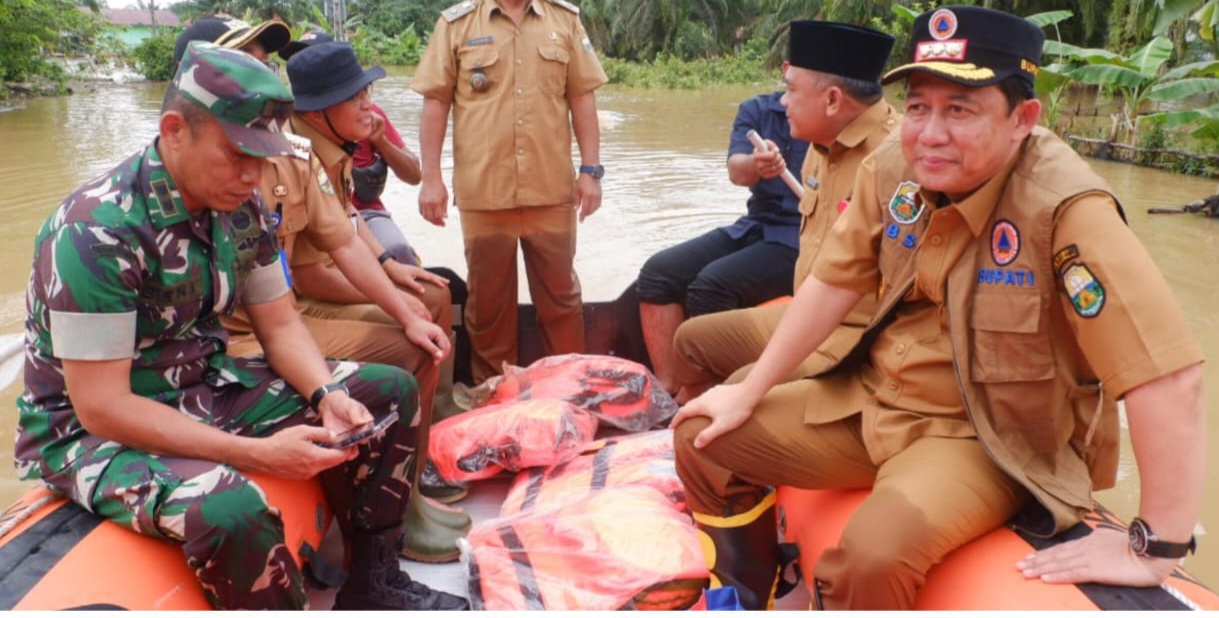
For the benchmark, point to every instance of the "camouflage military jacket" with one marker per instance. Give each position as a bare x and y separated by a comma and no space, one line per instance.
122,270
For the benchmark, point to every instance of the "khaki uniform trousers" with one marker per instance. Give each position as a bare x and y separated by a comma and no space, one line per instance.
932,497
722,347
365,333
547,236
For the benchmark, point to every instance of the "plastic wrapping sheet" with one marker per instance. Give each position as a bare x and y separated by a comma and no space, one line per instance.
512,436
622,548
619,392
641,459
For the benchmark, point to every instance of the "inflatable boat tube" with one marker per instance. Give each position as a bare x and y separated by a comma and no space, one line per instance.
55,555
982,575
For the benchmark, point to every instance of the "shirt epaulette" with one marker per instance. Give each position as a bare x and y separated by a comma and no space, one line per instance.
459,10
301,146
567,5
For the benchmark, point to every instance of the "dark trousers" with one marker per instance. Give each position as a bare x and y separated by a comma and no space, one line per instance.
715,272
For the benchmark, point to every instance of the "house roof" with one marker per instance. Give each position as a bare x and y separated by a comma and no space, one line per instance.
138,17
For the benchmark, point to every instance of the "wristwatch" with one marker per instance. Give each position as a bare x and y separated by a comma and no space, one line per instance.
318,395
596,171
1144,543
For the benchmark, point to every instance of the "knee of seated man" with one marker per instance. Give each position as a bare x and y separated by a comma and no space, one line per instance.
710,295
653,286
233,507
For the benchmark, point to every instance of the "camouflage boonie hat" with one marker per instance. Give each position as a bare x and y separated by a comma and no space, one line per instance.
241,93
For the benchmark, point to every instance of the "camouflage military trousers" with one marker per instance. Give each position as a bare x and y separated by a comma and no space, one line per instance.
233,540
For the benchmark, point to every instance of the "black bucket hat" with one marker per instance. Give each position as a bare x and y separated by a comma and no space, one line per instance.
326,74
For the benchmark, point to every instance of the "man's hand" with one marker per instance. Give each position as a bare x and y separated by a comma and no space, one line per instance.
429,337
434,201
377,137
726,406
588,195
769,163
294,453
407,276
1102,557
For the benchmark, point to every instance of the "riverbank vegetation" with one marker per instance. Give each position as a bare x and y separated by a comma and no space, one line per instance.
1147,67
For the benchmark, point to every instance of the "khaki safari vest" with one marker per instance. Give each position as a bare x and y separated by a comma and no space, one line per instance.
1035,404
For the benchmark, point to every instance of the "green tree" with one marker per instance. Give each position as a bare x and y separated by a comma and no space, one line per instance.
31,30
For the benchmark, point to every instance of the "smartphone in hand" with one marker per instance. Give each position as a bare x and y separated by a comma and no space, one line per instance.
361,433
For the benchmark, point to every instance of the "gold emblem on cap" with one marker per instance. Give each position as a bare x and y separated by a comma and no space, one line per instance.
942,25
279,191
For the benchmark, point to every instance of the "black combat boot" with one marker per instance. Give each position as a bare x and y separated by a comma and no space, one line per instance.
376,582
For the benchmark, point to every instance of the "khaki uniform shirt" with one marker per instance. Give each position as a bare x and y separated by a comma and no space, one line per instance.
829,175
512,141
911,381
313,212
321,189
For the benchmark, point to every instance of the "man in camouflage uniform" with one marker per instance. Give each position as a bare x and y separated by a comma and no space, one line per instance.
133,409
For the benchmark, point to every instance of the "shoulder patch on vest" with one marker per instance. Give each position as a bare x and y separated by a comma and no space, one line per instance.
459,10
1086,292
301,146
567,5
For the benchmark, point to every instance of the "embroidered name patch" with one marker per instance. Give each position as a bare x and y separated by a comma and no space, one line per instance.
1007,277
906,206
1085,291
1004,242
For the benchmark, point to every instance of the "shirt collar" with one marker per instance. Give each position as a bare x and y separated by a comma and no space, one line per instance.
855,133
163,202
491,6
327,151
774,103
978,207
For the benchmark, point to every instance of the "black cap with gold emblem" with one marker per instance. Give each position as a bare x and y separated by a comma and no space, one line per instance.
972,46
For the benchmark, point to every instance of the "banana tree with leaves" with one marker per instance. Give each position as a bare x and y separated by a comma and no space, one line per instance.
1139,78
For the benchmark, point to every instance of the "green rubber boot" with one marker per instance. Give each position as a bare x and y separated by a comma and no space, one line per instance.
425,540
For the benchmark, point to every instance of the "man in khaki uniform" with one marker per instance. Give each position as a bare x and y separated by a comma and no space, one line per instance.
834,100
513,72
349,303
1015,308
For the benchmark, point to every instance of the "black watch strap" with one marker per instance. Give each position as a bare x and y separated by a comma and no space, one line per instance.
385,256
1144,543
318,395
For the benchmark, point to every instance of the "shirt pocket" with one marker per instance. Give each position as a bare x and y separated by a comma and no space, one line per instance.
1008,343
552,70
474,60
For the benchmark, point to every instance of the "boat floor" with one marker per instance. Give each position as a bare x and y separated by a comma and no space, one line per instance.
482,504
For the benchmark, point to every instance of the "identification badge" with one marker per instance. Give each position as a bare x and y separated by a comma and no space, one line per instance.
482,40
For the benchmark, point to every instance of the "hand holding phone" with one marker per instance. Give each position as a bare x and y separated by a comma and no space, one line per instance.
361,433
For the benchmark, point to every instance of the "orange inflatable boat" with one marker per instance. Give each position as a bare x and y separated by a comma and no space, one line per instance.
982,575
55,555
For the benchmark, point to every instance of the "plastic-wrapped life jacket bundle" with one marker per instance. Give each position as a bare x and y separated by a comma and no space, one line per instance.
621,548
640,459
619,392
512,436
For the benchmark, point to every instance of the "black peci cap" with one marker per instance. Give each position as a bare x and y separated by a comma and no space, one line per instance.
972,46
838,49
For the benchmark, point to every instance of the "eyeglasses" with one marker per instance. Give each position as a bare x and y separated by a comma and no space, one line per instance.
361,97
